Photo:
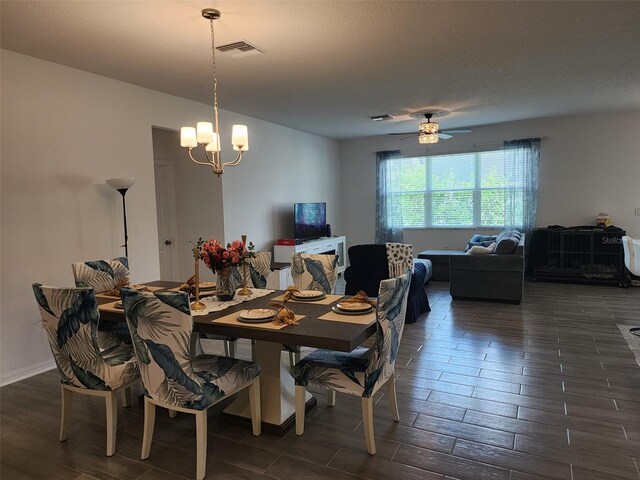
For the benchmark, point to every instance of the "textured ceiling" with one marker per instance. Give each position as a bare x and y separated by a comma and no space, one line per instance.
329,65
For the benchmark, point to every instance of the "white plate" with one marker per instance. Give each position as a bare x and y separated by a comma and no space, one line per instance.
257,314
207,285
339,311
354,307
308,294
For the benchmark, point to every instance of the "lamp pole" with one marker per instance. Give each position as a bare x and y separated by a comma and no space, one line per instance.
122,185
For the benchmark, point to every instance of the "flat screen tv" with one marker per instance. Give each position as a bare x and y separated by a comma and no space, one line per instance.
310,220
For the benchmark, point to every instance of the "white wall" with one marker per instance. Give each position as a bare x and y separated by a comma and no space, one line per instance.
64,132
588,164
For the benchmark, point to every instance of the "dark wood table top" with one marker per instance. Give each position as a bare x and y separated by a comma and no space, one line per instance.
311,332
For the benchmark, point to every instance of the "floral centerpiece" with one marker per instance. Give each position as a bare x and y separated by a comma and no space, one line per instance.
220,259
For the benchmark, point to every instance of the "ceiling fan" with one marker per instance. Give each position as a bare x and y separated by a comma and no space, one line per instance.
429,132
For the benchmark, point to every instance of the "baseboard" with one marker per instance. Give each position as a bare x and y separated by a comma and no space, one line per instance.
26,372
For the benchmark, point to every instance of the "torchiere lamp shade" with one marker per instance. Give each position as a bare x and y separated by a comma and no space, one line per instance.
124,183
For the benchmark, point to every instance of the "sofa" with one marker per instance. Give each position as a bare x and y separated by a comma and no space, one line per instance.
368,266
491,276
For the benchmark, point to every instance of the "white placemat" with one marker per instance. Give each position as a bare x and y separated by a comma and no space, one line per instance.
215,305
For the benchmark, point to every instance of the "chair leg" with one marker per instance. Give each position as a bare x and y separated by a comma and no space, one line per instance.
111,401
126,397
195,347
201,444
367,419
226,348
296,357
65,415
149,423
253,350
300,408
391,393
232,348
173,413
254,405
292,360
332,398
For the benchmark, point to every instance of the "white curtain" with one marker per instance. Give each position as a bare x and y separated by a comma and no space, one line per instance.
522,159
388,207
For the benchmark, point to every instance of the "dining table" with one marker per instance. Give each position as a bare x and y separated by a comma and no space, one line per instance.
318,327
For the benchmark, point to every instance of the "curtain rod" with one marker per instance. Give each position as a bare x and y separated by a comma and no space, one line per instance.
462,149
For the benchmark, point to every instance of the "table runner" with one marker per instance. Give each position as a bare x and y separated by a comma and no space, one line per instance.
215,305
232,319
328,300
359,319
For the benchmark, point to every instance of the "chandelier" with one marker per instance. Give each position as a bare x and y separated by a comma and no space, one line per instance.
207,134
428,131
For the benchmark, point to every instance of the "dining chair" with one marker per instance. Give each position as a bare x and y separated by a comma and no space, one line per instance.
258,270
90,362
102,275
161,326
314,271
311,272
363,371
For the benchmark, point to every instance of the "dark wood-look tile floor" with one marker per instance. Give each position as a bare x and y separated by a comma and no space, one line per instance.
544,390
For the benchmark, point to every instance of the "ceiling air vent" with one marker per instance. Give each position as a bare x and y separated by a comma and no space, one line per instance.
239,49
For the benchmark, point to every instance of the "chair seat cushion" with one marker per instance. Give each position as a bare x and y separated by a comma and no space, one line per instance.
221,376
332,370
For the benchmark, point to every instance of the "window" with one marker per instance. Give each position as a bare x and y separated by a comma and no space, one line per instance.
461,190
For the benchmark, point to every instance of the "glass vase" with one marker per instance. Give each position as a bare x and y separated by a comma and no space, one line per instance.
225,290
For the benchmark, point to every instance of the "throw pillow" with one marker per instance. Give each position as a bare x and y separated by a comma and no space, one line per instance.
480,250
482,240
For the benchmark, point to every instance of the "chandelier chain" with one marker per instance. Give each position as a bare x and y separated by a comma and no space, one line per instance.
213,65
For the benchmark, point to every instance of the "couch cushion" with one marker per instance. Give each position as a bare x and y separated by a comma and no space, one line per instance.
507,241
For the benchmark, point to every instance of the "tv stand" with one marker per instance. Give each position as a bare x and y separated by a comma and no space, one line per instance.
327,245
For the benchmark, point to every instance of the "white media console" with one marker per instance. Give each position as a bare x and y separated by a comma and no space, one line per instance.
282,253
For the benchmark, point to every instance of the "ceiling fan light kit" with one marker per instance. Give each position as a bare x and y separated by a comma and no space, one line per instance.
429,132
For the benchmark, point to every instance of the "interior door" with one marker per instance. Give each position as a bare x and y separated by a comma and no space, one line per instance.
165,208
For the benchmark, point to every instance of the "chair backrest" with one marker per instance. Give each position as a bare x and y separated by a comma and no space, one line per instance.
399,257
102,275
390,315
258,269
161,325
314,271
631,248
70,317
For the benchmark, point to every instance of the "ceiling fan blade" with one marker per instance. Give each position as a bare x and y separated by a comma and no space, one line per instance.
456,131
406,133
443,136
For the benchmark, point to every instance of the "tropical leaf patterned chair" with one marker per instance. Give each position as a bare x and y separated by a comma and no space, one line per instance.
90,362
311,272
257,271
102,275
161,326
363,371
314,271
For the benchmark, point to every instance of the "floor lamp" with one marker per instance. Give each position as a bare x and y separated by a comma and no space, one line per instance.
122,185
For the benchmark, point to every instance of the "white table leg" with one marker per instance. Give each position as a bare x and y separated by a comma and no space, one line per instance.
277,388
